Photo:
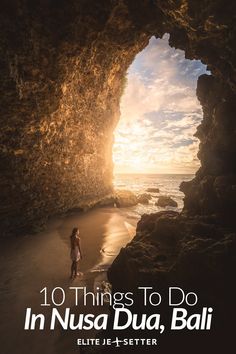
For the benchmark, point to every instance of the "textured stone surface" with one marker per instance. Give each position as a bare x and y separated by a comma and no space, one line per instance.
193,253
62,74
63,67
144,198
164,201
153,190
213,191
125,198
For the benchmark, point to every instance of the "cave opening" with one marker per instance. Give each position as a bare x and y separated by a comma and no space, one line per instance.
154,141
61,97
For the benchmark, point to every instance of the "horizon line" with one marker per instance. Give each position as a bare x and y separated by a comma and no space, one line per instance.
152,173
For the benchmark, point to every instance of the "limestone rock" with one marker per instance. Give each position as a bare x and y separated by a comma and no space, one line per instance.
153,190
125,198
192,252
144,198
63,70
164,201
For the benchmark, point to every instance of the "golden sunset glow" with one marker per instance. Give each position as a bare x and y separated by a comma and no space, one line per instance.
159,113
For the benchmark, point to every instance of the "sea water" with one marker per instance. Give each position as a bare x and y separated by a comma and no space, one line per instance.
168,185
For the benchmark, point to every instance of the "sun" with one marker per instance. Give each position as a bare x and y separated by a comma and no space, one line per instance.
129,152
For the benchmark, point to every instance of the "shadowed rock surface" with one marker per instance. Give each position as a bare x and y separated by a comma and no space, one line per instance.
213,190
164,201
193,253
144,198
153,190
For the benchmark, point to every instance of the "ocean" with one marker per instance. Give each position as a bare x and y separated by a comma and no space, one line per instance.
168,185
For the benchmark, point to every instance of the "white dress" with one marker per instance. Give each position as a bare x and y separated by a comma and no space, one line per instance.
75,253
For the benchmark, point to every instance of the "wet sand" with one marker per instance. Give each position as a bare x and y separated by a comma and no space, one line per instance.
32,262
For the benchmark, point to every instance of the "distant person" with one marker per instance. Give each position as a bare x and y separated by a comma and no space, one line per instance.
75,253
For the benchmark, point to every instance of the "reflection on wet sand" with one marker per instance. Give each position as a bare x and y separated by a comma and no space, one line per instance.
117,234
32,262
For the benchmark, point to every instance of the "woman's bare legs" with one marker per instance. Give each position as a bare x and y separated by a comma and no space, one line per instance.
73,269
76,268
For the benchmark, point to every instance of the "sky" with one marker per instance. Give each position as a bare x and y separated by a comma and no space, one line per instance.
159,113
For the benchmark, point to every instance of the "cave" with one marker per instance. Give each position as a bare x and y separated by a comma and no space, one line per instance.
63,66
63,69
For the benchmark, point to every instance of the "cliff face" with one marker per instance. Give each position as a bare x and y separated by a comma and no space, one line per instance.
194,253
63,67
213,190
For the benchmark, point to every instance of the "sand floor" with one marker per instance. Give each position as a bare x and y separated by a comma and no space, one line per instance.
32,262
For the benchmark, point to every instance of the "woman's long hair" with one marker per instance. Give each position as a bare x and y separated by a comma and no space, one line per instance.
73,237
74,231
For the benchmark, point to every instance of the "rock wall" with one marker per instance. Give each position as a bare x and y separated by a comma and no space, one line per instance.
196,254
213,190
63,66
63,69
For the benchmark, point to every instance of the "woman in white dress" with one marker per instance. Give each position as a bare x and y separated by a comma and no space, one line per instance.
75,252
